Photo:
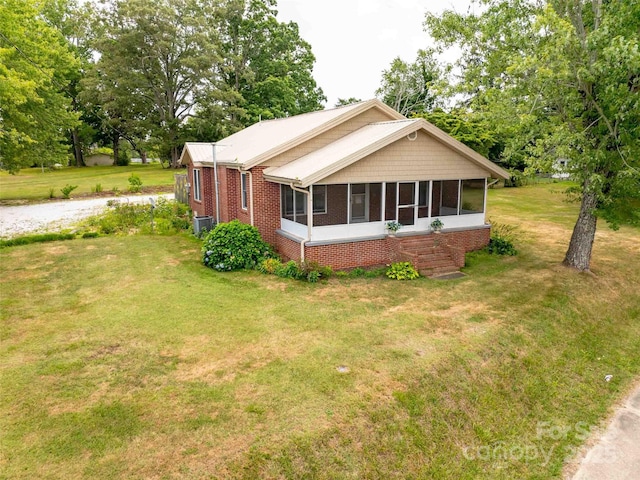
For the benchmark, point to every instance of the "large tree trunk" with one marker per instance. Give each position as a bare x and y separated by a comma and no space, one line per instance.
174,157
77,148
116,148
579,253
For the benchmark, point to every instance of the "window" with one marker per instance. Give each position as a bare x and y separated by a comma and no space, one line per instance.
449,197
472,196
243,181
294,204
319,199
196,185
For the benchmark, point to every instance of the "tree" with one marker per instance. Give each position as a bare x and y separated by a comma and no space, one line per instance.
347,101
564,77
35,66
407,87
155,58
266,69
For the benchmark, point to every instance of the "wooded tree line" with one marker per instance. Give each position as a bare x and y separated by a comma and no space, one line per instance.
151,73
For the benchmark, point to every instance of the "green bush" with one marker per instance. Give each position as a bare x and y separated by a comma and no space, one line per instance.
269,266
169,217
234,246
290,269
90,234
52,193
502,238
501,246
124,157
67,189
402,271
358,272
135,183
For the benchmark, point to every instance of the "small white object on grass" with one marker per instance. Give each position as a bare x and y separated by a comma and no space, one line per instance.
607,378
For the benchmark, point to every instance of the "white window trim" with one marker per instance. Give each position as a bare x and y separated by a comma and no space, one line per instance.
197,193
244,190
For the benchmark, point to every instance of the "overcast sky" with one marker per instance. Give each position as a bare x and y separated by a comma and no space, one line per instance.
355,40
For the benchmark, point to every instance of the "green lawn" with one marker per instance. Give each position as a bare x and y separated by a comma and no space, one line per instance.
32,184
123,357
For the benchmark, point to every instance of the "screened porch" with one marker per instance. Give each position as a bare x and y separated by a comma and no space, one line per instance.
361,210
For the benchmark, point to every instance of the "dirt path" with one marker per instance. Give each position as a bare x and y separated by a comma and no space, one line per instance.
54,216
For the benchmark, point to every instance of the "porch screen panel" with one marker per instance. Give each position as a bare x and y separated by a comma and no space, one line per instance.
359,212
336,207
449,198
390,202
472,196
423,199
286,202
406,203
375,201
435,198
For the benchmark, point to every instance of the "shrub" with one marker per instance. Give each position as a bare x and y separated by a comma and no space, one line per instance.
289,270
67,189
169,217
501,241
402,271
89,234
358,272
52,193
124,157
97,188
501,246
135,183
308,267
313,276
269,266
234,246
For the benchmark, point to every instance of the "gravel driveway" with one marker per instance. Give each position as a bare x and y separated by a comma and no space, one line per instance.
55,216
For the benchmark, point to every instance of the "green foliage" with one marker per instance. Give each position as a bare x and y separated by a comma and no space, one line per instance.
169,217
502,238
357,272
124,157
67,189
291,269
90,234
393,226
35,65
269,266
52,192
97,188
559,80
437,225
40,238
402,271
234,246
135,183
407,87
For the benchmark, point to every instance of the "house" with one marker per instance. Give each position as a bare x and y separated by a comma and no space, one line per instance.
322,186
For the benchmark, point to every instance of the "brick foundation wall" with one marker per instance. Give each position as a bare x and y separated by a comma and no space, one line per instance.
287,248
371,253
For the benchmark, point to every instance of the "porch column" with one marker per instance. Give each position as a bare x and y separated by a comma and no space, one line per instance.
310,210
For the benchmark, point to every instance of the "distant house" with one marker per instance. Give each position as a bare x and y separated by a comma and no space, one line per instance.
323,186
560,169
98,159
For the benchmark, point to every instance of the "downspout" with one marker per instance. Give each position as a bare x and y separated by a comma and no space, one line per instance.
309,214
215,181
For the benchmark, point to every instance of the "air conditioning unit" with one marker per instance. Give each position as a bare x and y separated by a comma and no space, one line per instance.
202,224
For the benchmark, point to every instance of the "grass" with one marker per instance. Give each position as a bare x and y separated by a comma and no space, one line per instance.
33,185
122,357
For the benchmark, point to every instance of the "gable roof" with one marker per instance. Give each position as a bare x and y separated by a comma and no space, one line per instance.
264,140
321,163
